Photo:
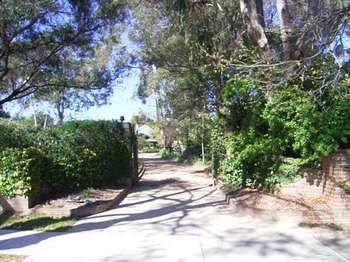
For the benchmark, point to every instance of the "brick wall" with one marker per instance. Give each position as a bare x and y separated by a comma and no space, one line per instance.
318,191
337,166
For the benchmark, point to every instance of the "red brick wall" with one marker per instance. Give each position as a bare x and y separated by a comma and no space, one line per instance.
318,189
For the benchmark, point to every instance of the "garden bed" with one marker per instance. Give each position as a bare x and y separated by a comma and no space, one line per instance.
83,203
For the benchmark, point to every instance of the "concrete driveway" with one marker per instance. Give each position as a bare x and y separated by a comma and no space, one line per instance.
173,214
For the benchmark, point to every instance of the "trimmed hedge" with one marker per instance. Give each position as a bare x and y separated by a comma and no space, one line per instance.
20,169
13,135
75,155
86,154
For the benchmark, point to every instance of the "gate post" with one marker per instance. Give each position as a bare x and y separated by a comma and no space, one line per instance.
129,132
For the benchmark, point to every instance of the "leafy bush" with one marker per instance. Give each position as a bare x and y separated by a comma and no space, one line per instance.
75,155
20,169
14,135
192,150
310,130
344,185
291,120
169,154
217,148
150,150
146,146
86,154
251,161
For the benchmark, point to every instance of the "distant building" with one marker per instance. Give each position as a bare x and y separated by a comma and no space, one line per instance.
144,131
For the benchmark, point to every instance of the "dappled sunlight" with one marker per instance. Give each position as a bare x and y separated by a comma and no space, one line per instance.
168,210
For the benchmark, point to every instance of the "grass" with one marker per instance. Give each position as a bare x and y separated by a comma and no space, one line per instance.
87,192
328,225
344,185
43,223
11,258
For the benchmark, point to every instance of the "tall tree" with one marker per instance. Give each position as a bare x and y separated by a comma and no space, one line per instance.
34,34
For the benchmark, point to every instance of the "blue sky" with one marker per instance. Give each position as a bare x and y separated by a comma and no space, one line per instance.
123,102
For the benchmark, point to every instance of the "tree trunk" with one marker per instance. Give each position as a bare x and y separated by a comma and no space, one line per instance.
290,51
45,122
35,122
60,113
202,142
253,14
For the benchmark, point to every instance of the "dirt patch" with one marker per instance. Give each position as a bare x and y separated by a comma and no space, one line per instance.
76,200
82,204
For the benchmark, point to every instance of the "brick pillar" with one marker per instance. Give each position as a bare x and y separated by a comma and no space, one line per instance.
337,165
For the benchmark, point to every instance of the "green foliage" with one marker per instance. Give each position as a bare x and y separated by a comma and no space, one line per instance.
170,154
344,185
309,128
146,146
217,147
44,223
290,123
20,169
41,41
72,156
150,150
251,161
87,192
86,154
192,150
14,134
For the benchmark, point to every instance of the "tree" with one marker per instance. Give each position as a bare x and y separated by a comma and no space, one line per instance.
267,74
38,120
3,114
78,85
34,34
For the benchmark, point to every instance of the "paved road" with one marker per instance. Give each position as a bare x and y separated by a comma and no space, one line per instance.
172,215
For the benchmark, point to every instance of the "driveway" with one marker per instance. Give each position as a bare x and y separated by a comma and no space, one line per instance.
173,214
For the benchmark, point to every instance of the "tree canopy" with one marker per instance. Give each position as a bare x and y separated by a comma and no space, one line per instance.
36,36
262,80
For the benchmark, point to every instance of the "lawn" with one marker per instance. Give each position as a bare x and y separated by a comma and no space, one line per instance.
44,223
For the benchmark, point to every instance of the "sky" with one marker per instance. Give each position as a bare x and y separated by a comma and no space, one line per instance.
123,102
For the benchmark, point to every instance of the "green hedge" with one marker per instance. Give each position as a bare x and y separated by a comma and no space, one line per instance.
78,154
87,153
20,169
13,135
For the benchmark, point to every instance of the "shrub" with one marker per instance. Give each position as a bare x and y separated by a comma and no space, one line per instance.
20,169
72,156
192,150
86,154
150,150
14,135
169,154
145,146
291,120
344,185
251,161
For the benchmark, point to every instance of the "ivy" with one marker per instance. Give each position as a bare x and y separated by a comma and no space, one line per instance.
20,169
72,156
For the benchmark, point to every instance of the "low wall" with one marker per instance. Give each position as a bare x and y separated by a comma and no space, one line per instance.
319,192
